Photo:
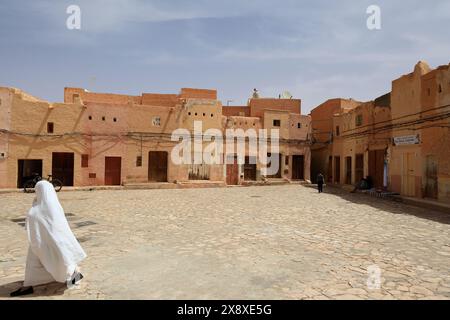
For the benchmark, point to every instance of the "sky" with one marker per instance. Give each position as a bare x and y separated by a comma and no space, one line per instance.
316,50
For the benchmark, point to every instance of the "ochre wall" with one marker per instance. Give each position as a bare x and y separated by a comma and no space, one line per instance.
103,125
258,106
406,106
236,111
5,123
435,100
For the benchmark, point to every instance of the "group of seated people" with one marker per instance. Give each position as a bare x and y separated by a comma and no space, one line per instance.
364,184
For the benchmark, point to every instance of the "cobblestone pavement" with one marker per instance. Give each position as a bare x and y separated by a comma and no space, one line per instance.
277,242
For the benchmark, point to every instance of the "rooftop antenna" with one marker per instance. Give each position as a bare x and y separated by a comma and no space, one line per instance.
228,102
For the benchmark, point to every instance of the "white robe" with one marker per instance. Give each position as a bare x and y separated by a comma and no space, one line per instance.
54,252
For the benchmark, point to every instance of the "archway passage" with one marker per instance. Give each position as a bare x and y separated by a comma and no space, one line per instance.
26,170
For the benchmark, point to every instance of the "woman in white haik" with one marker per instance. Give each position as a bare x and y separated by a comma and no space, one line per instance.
54,252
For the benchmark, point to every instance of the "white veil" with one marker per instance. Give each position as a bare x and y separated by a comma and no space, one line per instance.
49,234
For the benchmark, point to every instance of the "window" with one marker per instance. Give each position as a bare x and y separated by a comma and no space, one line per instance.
337,131
299,125
90,117
212,115
286,160
204,114
50,127
103,118
76,96
139,161
440,90
429,92
92,175
359,120
84,160
156,121
115,119
0,102
276,123
189,113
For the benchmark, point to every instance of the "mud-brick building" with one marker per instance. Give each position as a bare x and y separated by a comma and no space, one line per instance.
323,134
294,128
96,139
401,139
359,146
100,139
420,158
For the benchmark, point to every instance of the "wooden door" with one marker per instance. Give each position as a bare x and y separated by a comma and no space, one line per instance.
298,167
359,167
233,172
113,171
249,169
348,170
330,170
337,170
157,166
376,167
62,167
431,187
408,175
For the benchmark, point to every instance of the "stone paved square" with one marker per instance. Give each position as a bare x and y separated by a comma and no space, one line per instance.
275,242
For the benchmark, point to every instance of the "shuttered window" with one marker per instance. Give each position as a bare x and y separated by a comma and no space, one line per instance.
84,160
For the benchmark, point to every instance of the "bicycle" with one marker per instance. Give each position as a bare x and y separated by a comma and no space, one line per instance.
29,185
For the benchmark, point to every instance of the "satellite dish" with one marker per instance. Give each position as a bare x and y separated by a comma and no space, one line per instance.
286,95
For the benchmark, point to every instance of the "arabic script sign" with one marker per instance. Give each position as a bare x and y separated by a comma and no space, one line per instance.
405,140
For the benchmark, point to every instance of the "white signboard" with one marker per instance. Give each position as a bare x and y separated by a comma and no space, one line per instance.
405,140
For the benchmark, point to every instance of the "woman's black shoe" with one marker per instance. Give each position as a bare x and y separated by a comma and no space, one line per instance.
77,278
22,292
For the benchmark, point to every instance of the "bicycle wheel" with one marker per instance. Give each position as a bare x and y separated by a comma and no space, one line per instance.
28,186
57,184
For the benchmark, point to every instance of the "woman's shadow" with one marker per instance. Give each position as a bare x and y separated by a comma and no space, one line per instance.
45,290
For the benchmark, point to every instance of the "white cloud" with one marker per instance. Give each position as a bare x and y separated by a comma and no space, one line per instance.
112,15
317,50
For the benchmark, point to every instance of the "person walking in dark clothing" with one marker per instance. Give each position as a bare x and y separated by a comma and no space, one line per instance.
320,182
